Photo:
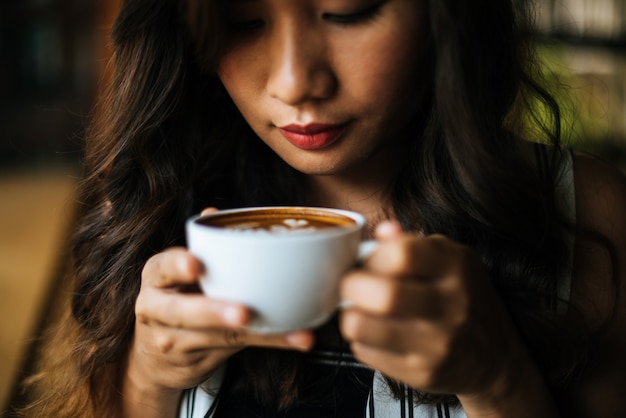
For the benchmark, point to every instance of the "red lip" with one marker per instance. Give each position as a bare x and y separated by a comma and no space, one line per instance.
313,136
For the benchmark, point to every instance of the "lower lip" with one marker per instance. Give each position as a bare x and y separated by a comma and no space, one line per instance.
314,141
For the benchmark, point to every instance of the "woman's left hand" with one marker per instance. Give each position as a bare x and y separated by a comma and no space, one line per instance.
423,311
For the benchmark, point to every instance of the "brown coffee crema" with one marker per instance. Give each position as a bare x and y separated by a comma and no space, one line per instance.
279,221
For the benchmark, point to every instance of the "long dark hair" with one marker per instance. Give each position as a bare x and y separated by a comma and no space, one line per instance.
166,140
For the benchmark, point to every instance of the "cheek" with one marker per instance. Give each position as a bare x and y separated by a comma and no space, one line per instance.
240,69
232,79
392,80
384,66
240,85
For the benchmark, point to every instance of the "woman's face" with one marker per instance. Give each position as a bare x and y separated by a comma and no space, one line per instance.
329,85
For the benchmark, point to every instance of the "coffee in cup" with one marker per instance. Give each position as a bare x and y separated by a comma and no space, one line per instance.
284,220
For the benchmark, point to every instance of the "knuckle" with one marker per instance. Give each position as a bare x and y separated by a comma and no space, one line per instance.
444,244
379,296
458,318
414,362
431,307
235,337
149,267
425,371
165,343
390,336
443,347
420,369
141,310
399,257
361,353
141,317
351,326
465,258
176,261
429,378
438,240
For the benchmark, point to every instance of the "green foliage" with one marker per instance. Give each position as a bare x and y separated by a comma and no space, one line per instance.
589,86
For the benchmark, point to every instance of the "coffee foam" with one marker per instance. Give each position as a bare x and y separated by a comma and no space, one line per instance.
287,226
277,221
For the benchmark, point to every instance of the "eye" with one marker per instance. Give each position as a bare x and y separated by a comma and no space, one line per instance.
245,25
242,16
360,16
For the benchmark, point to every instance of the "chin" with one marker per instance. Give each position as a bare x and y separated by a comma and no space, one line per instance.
315,165
334,160
321,168
318,171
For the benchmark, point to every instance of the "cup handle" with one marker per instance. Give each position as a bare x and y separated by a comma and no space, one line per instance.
366,248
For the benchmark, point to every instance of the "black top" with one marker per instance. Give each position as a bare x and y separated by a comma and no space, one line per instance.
347,386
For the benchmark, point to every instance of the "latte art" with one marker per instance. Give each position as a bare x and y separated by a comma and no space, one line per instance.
278,221
286,226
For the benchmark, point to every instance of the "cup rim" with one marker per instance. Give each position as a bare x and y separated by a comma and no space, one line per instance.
359,222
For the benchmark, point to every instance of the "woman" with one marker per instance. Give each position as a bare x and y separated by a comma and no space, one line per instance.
494,291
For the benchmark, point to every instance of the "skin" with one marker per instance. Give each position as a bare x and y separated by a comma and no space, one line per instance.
331,81
423,310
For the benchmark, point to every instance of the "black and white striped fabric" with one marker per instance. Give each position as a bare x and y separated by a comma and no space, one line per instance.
377,401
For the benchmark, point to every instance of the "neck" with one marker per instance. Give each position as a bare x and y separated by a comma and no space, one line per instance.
371,201
367,192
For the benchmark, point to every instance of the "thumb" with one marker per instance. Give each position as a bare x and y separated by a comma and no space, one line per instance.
206,211
388,230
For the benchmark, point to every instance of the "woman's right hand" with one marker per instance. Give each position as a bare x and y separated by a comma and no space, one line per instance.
181,336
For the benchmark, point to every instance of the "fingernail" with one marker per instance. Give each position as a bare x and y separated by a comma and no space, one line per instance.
388,228
346,304
234,316
300,341
206,211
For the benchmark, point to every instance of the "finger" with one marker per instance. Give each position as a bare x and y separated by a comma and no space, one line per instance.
173,267
299,340
206,211
413,369
401,296
388,230
392,334
181,342
241,337
411,254
222,322
188,311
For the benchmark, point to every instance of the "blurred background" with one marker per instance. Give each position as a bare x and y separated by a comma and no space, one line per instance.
52,54
583,46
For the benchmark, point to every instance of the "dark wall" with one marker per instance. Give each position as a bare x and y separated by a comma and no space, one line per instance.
48,73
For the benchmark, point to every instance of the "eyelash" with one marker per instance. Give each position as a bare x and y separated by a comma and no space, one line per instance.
247,25
363,16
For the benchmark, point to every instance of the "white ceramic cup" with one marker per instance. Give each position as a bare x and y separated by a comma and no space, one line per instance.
288,277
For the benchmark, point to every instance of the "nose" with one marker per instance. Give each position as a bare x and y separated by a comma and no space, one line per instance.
300,70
